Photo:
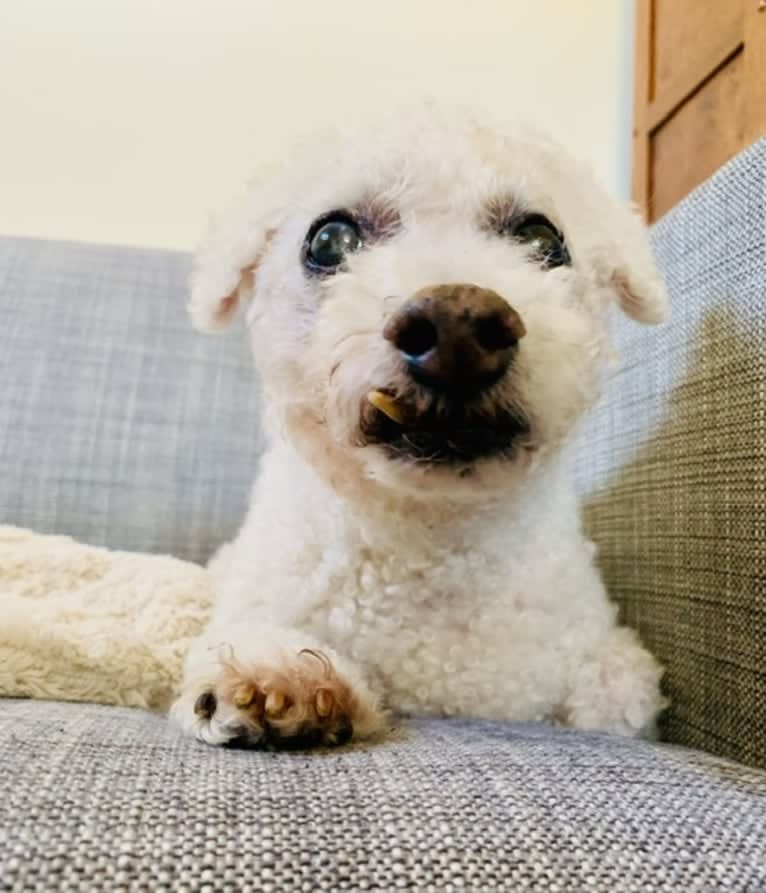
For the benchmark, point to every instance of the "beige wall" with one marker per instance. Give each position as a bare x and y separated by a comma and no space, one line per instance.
127,120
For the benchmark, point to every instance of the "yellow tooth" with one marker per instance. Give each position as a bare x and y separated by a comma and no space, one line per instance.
387,406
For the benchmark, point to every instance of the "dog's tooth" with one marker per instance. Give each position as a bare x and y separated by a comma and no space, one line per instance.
387,405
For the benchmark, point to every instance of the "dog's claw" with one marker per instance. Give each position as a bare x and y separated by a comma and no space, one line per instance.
276,704
206,704
245,696
324,703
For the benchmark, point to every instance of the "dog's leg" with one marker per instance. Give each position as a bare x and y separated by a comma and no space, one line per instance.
273,686
615,687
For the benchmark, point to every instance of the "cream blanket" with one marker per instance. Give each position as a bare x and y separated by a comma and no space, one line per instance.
80,623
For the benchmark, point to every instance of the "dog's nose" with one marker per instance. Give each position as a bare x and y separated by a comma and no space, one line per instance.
456,338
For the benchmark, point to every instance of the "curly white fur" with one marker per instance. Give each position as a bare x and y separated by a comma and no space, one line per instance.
444,590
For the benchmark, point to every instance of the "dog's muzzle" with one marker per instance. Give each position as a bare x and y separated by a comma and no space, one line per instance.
456,342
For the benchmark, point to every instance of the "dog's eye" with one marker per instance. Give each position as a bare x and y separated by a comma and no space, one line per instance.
329,240
545,241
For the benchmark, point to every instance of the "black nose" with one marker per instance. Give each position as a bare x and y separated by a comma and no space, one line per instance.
456,338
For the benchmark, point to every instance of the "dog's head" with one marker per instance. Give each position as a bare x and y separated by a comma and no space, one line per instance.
427,303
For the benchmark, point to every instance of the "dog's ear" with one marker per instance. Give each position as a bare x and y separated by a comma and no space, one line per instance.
641,294
630,272
223,275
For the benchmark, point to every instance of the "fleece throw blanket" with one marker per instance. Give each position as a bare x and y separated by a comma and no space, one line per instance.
79,623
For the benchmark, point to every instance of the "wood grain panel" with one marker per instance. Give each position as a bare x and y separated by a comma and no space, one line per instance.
707,130
690,39
755,68
700,92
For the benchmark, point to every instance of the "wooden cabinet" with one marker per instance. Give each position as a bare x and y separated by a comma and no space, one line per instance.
700,93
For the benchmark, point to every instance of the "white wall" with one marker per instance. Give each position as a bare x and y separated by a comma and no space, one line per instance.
127,120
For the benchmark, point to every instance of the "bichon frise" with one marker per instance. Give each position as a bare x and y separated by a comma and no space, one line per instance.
427,305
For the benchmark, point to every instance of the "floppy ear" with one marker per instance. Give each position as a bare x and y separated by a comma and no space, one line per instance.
223,275
631,272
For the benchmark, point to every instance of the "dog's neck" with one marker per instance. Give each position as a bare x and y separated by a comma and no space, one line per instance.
386,518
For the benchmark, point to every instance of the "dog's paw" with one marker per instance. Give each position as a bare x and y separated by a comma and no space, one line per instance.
616,688
299,701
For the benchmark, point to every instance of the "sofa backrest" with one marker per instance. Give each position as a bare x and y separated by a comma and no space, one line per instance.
119,424
672,465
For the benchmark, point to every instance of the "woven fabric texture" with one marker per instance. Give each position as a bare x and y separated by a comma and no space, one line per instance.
119,424
112,799
673,465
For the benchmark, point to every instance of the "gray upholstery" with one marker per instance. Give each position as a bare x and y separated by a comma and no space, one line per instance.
673,464
112,799
119,424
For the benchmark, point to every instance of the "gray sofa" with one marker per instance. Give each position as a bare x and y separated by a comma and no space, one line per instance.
120,426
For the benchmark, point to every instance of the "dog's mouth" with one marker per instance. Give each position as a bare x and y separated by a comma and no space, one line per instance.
438,432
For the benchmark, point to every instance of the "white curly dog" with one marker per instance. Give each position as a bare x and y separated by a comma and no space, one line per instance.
427,303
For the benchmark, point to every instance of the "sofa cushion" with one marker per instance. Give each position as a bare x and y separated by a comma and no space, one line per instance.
119,424
98,798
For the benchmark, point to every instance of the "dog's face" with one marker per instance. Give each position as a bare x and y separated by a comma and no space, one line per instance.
427,304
